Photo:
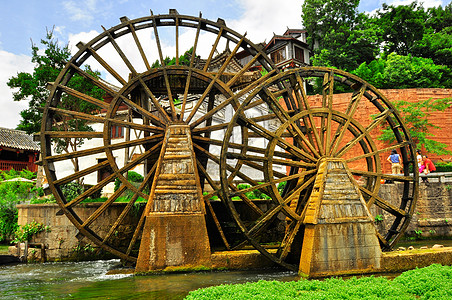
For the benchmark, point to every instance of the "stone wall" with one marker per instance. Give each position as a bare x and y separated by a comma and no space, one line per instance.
433,213
61,240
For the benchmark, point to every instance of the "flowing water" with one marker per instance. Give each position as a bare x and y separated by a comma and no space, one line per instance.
89,280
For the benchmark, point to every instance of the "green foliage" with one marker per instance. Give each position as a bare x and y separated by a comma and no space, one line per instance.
184,60
397,71
443,167
432,282
428,283
71,190
415,116
401,26
32,87
132,177
27,231
8,220
378,218
345,38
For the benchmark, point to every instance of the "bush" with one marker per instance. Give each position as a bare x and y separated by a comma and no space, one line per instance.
443,167
26,232
71,190
8,220
132,177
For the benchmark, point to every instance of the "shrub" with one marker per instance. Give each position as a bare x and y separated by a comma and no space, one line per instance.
8,220
132,177
26,232
443,167
71,190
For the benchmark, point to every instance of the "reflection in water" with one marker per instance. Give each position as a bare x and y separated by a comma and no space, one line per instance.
88,280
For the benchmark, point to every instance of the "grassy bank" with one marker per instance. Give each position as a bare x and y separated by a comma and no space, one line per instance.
433,282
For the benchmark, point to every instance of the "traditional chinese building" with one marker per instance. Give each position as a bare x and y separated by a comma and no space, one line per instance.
289,50
18,151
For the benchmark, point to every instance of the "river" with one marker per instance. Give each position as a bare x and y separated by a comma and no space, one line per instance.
89,280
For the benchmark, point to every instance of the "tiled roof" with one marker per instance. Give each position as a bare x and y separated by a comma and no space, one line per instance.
17,139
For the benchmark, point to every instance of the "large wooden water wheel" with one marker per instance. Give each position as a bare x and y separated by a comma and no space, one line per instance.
247,127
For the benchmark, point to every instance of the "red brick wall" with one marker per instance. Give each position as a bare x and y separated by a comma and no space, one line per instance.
441,119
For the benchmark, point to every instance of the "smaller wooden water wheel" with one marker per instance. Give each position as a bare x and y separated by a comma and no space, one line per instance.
285,146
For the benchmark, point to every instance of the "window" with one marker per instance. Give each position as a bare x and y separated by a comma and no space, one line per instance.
299,54
117,132
278,55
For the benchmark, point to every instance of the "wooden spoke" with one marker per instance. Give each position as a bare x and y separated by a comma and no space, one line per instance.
120,52
80,174
267,184
213,50
380,202
400,178
165,73
104,206
84,97
128,207
74,134
328,88
107,67
87,152
231,99
380,119
154,101
288,238
138,44
217,75
374,153
243,70
93,80
351,109
192,60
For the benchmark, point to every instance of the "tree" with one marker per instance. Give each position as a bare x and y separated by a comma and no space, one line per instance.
401,72
415,115
32,88
345,38
401,26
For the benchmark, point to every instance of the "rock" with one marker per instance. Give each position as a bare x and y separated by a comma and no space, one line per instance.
424,247
437,246
410,248
401,249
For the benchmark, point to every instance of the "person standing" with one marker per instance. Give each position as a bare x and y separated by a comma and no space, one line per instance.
428,167
394,159
420,161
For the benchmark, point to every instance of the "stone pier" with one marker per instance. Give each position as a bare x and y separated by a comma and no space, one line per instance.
175,233
340,236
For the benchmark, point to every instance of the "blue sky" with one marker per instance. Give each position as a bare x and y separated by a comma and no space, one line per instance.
80,20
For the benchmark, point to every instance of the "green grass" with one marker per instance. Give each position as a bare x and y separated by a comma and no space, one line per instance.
432,282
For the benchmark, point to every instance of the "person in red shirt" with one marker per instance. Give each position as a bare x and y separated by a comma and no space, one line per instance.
428,167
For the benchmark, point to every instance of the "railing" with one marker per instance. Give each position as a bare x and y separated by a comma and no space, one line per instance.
7,165
438,176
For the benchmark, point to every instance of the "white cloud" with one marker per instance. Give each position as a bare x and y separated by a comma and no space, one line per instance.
11,65
262,18
81,10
